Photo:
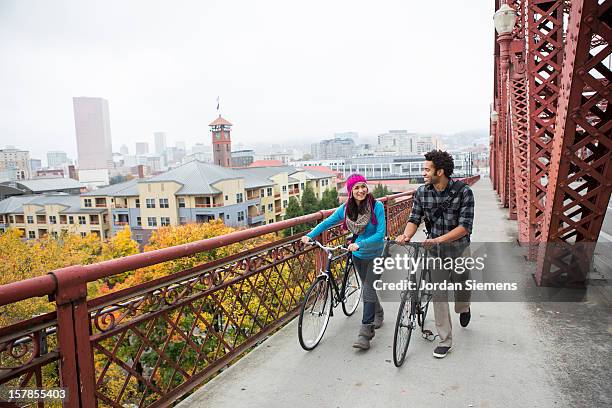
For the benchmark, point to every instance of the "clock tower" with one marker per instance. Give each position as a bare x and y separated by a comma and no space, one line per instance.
221,142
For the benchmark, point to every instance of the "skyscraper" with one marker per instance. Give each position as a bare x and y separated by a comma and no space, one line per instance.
92,125
160,142
142,148
14,164
56,159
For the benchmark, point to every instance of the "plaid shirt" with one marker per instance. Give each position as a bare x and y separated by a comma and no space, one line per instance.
459,212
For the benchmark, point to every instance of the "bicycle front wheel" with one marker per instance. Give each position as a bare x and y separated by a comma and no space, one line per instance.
352,291
314,314
404,325
425,298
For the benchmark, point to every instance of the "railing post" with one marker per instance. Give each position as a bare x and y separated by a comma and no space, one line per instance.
76,364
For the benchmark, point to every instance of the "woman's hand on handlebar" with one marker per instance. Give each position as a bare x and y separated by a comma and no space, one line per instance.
353,247
306,240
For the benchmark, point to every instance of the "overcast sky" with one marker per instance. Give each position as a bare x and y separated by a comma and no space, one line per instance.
294,71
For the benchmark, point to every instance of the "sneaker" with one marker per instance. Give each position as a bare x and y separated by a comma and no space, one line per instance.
441,351
464,318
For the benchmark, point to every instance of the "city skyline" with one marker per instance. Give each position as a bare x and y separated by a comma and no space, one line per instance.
362,68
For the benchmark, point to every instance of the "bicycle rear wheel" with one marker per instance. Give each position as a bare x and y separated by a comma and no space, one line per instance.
405,323
314,314
352,291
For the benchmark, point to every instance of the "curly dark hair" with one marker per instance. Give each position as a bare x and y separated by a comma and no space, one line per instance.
442,161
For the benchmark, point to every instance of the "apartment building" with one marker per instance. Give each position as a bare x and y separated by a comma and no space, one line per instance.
193,192
40,215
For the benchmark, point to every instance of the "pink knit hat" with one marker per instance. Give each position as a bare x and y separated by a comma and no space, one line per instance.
350,182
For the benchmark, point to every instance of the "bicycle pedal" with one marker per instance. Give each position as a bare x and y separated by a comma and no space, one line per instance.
428,335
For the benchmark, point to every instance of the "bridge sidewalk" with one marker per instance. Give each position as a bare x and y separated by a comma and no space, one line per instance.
499,360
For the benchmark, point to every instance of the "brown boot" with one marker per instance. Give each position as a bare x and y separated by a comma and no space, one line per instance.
379,316
366,333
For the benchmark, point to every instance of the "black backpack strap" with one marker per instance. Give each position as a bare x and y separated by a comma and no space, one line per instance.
456,188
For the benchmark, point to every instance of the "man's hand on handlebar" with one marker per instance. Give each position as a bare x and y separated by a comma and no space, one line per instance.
400,239
306,240
428,243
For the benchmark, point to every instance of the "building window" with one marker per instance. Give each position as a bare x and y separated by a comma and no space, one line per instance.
181,202
183,220
139,238
138,203
163,203
226,198
164,221
139,221
87,202
227,217
284,189
31,234
52,219
152,221
239,197
70,219
270,207
12,219
83,234
284,203
82,220
262,193
30,219
269,191
150,203
302,186
263,208
240,216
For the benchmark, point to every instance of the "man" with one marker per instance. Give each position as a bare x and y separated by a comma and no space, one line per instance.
448,208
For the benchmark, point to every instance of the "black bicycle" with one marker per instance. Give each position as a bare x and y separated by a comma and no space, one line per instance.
414,302
324,295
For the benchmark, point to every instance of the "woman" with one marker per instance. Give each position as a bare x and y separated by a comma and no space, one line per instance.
365,217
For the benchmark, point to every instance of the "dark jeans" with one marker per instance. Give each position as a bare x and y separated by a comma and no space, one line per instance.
366,273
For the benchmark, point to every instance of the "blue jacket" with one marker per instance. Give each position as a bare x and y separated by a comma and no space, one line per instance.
371,242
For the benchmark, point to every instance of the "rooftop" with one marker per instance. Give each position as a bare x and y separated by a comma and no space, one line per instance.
266,163
220,121
45,184
72,203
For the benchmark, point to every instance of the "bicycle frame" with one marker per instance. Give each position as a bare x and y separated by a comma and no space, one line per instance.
338,293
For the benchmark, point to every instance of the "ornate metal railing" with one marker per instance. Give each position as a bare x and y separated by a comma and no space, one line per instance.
150,344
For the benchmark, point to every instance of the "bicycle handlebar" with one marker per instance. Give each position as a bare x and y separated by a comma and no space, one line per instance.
326,248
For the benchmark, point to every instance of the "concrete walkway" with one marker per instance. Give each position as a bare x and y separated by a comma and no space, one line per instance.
500,360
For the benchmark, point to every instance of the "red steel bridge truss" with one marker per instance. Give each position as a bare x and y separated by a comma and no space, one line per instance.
550,140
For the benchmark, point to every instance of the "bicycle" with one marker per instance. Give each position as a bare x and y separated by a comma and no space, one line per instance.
323,297
413,306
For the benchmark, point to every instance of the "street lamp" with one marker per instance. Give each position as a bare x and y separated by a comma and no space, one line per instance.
504,20
494,117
